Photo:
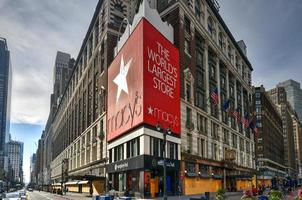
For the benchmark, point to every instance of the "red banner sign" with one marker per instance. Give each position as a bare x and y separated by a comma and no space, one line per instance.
143,83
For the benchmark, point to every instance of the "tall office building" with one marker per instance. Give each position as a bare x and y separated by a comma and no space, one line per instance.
15,158
62,69
270,142
278,96
33,160
5,97
294,95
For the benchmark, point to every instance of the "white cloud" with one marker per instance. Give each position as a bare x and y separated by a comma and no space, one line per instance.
35,31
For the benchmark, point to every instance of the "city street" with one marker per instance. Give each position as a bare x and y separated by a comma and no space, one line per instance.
35,195
150,99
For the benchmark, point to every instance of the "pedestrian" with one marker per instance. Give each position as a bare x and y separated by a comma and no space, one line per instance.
300,193
254,190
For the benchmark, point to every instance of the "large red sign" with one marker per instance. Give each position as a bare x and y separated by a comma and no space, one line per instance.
143,83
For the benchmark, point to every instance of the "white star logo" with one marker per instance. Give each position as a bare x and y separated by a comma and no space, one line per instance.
121,79
150,110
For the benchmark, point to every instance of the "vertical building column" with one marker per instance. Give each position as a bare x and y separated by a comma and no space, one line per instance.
208,101
218,87
228,90
236,103
220,134
91,147
206,65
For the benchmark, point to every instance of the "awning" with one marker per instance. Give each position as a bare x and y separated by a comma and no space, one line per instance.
56,184
72,183
83,182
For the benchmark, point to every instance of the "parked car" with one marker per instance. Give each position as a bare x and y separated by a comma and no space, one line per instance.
22,195
12,196
30,189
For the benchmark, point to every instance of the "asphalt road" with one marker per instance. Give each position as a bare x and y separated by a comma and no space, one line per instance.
35,195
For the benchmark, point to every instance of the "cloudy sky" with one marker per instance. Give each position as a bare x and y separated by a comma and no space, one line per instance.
36,29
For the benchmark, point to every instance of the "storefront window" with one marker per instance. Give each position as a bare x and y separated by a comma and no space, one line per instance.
204,170
156,145
190,167
217,171
133,148
119,153
110,155
172,150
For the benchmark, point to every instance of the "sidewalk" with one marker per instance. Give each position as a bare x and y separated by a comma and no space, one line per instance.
79,196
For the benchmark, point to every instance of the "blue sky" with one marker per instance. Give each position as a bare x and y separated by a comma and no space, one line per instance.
36,29
29,134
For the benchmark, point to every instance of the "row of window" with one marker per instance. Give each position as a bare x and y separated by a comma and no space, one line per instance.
227,138
132,149
201,125
221,39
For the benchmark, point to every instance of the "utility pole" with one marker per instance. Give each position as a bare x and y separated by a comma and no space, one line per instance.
165,166
165,132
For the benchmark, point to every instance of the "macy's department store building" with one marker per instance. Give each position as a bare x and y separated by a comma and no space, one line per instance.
144,109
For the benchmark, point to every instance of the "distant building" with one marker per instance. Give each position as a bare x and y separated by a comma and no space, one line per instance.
63,67
5,98
294,95
279,98
33,160
15,157
270,142
298,143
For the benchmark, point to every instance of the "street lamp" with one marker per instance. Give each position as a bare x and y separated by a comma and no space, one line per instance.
165,132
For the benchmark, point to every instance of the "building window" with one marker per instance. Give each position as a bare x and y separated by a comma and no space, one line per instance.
225,136
162,4
211,26
257,95
172,150
222,82
200,79
204,169
248,147
212,72
110,156
133,148
214,151
197,8
221,40
200,99
187,36
201,124
189,116
189,143
201,147
190,167
258,102
119,153
234,140
156,147
188,92
214,131
241,142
